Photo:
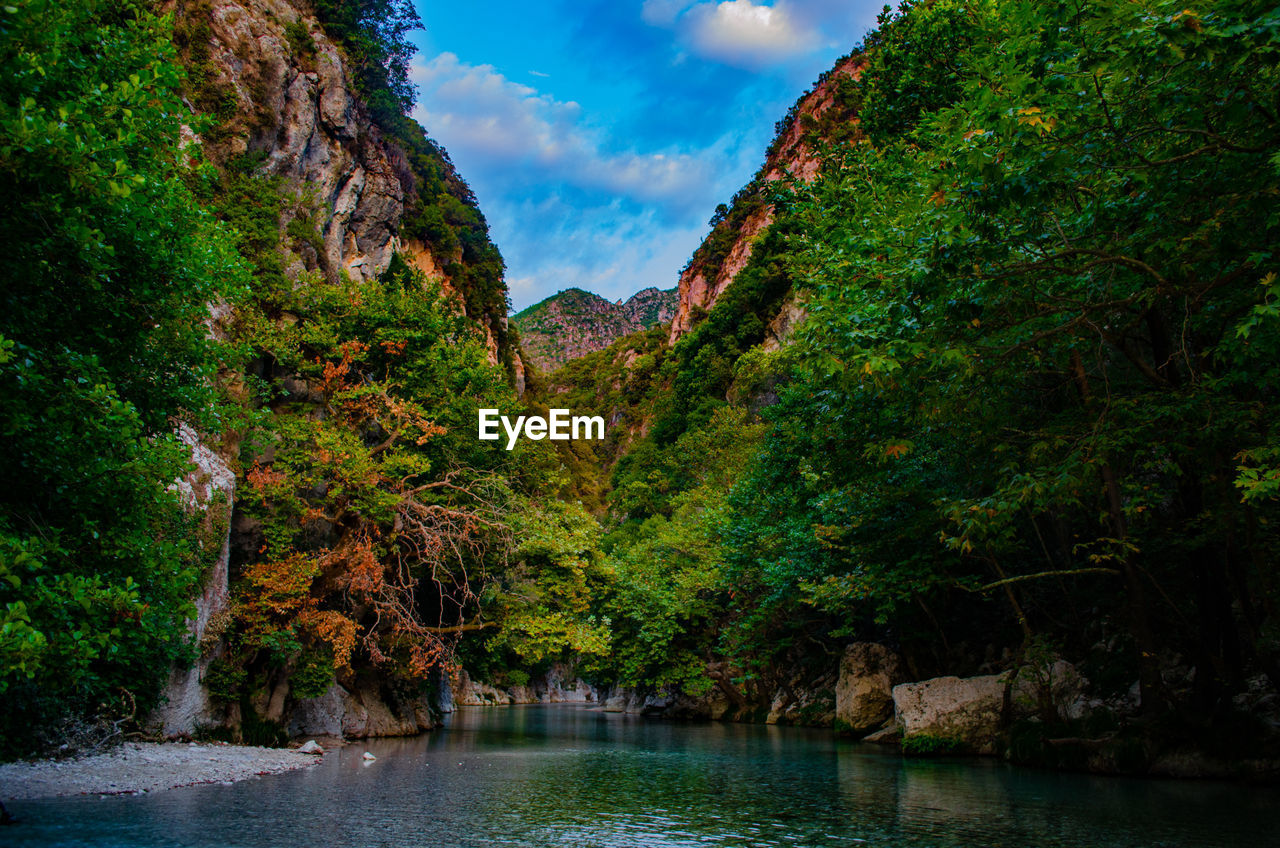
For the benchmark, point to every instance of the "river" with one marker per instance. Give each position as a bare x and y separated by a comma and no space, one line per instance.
574,776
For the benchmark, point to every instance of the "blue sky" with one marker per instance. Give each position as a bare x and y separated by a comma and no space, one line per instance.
599,136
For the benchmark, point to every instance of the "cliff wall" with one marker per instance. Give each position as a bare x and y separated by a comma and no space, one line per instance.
821,113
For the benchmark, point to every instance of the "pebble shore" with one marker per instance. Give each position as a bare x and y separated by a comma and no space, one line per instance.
137,767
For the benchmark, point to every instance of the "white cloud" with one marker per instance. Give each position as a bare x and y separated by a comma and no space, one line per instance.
565,205
510,131
737,32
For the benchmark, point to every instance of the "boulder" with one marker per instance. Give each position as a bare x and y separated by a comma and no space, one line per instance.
472,693
656,704
624,700
311,747
366,714
318,716
712,704
1054,691
809,703
965,713
864,689
890,734
561,686
523,695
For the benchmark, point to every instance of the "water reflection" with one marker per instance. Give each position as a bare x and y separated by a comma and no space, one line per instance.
568,775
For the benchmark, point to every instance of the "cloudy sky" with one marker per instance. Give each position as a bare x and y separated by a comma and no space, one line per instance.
599,135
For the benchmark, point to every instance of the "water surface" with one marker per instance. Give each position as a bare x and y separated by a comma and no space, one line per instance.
573,776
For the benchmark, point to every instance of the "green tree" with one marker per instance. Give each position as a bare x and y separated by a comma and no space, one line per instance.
1046,317
106,275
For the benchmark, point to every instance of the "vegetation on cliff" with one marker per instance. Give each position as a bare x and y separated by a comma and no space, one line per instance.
372,529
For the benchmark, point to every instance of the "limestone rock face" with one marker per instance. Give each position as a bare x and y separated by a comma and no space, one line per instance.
208,489
366,713
783,326
864,689
302,112
714,705
968,710
359,713
319,716
1055,691
624,700
561,686
804,700
472,693
299,118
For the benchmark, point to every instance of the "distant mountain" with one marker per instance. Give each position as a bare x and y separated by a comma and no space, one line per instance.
574,323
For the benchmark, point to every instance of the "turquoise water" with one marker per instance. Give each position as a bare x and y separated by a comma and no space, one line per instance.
572,776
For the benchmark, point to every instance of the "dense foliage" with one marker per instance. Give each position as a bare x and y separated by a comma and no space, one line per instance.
1030,414
372,529
1032,405
375,35
106,274
1049,341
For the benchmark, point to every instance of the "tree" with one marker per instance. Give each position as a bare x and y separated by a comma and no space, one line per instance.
106,276
1048,311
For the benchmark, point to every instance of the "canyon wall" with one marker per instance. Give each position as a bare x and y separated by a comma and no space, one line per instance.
277,104
820,113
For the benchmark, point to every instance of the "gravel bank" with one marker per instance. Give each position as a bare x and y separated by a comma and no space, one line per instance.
145,767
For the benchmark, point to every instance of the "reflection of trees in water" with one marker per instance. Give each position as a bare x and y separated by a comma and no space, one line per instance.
608,779
983,802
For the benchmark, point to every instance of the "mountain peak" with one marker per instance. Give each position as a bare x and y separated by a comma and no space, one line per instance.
575,322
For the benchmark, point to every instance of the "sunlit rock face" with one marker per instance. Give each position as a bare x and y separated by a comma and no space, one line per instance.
792,155
298,117
864,690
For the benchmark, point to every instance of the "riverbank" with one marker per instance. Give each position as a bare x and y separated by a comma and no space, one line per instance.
138,767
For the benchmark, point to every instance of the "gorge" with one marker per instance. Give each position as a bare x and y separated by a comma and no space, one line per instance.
955,438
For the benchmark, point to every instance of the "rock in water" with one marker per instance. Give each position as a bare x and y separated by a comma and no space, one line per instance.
864,690
369,757
966,712
311,747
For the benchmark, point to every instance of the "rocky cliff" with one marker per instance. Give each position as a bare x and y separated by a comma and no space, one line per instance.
824,114
284,106
573,323
314,183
